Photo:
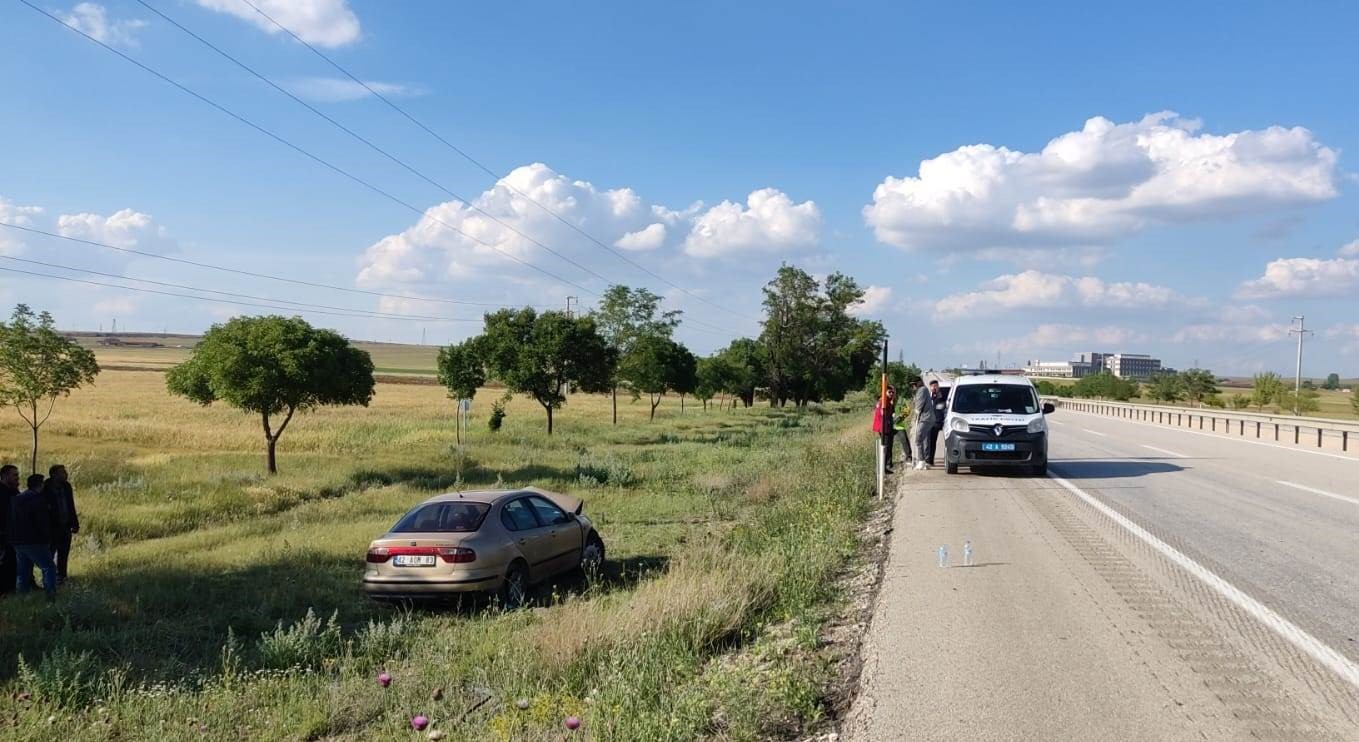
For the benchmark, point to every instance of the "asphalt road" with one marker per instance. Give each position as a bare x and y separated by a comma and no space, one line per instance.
1161,584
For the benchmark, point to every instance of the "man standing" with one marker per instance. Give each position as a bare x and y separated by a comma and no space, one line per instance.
940,403
32,525
59,489
9,489
922,422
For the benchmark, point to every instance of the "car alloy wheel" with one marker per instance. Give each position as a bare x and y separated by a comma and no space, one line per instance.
514,592
592,557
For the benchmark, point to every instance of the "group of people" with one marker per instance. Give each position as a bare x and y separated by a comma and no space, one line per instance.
36,525
920,423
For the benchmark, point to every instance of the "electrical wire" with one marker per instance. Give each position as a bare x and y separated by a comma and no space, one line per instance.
474,161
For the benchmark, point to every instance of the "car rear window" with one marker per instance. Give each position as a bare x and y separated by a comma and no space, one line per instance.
443,517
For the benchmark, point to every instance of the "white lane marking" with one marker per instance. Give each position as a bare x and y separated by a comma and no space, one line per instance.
1171,454
1095,432
1220,437
1316,491
1291,632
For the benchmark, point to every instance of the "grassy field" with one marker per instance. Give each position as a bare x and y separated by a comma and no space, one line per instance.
210,602
390,358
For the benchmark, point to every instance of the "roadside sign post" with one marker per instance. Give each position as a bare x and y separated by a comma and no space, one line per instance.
882,438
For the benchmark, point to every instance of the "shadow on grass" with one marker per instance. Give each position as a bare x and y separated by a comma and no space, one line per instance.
467,477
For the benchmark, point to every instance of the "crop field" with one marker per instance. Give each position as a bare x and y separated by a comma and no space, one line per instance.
208,601
390,358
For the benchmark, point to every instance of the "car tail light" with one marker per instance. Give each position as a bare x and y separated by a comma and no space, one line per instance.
379,554
456,554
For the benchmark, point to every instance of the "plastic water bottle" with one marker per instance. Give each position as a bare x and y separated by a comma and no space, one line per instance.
943,555
967,552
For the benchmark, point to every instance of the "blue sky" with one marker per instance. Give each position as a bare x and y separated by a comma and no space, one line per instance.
709,142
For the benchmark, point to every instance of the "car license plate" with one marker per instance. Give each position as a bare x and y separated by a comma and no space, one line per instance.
414,560
998,446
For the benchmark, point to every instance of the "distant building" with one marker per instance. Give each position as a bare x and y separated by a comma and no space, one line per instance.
1132,365
1052,369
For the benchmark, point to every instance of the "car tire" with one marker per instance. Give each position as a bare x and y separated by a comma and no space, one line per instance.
513,592
592,556
951,468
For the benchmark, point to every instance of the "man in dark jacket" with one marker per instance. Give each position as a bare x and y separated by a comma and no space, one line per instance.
9,489
940,399
32,524
58,488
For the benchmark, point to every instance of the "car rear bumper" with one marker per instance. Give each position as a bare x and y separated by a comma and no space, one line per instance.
965,449
391,588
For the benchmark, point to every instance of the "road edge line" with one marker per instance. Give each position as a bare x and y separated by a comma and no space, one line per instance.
1315,491
1289,631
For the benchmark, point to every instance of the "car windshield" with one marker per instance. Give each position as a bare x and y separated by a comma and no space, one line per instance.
443,517
1013,399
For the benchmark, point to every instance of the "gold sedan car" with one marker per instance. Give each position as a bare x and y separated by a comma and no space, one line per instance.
497,542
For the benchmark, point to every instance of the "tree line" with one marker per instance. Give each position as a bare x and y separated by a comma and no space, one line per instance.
810,349
1200,388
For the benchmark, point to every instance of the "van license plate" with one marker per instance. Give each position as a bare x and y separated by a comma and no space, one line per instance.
414,560
998,446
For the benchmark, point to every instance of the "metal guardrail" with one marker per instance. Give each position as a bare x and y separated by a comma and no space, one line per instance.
1339,433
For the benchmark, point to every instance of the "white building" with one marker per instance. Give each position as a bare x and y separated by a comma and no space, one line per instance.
1051,369
1132,365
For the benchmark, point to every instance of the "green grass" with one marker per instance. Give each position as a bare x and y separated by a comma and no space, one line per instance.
204,593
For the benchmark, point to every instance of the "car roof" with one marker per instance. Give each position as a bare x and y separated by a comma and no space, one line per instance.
494,497
992,379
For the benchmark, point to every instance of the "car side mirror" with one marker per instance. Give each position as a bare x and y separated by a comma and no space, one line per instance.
1049,408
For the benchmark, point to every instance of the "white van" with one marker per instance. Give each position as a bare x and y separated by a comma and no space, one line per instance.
996,421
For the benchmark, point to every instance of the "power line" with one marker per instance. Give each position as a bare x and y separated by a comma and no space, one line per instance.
483,167
306,153
252,274
373,314
364,140
205,298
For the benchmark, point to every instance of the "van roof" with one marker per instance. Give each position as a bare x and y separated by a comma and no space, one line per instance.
992,379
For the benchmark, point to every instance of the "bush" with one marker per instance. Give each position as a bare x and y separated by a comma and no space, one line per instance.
497,416
593,472
302,646
63,678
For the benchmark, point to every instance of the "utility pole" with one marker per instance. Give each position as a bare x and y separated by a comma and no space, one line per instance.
422,336
1300,331
570,299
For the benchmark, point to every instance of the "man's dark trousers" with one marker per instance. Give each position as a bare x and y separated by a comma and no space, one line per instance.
931,443
61,553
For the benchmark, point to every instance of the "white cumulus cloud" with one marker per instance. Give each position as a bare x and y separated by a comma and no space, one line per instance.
12,241
328,23
770,222
1101,183
455,241
874,302
1063,336
343,90
1350,251
1294,277
1037,290
93,19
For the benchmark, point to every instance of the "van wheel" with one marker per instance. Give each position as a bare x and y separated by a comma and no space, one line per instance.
951,468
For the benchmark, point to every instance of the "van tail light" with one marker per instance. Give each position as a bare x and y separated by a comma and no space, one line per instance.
456,554
378,554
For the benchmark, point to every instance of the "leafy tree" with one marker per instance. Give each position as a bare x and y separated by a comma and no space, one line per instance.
814,349
37,365
899,375
1332,381
745,366
274,366
462,373
1239,401
1105,385
625,316
1267,388
683,373
708,381
653,368
1165,388
540,355
1199,384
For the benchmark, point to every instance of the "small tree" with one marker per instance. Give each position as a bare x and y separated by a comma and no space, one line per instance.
1199,384
1239,401
1332,381
1354,399
625,316
683,373
540,355
274,366
650,368
1303,401
708,379
1267,388
462,373
1165,388
37,365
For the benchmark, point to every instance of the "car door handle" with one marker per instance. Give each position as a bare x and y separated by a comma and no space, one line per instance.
523,541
